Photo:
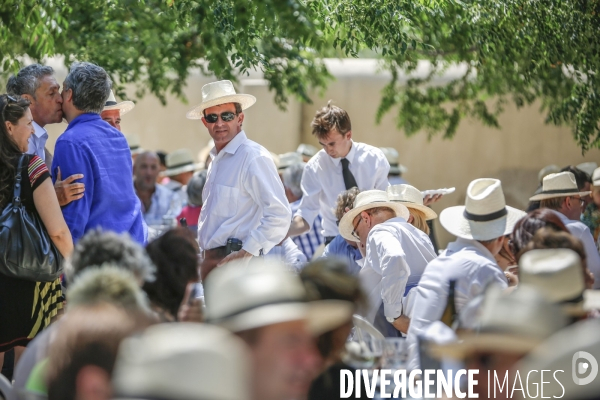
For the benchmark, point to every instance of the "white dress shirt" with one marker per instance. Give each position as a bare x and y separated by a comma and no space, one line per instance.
164,203
243,198
322,182
473,268
582,232
289,253
396,256
37,142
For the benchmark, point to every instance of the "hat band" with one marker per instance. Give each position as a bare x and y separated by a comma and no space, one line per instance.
134,147
485,217
245,310
576,299
556,191
180,165
110,103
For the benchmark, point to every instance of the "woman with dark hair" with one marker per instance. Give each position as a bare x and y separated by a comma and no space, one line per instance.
527,226
27,307
175,254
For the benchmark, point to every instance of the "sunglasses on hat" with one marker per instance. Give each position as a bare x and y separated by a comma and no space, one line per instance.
226,116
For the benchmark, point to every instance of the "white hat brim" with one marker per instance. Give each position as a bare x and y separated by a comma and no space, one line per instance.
321,316
245,100
454,221
180,170
429,213
124,107
544,196
347,220
496,342
398,169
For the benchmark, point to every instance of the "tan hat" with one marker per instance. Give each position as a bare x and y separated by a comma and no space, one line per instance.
512,322
596,177
133,141
288,159
365,201
411,197
547,170
562,184
180,161
393,159
307,150
485,215
111,104
220,92
182,361
241,296
588,167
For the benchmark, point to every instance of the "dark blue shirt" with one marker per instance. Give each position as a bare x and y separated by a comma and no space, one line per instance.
92,147
339,248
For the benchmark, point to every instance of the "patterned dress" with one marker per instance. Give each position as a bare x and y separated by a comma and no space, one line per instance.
26,307
591,218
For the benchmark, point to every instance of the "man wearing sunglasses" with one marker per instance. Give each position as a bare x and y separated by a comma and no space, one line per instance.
245,211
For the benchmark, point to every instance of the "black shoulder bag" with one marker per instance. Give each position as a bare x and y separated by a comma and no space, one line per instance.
26,250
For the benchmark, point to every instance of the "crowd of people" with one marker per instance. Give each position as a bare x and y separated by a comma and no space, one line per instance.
250,275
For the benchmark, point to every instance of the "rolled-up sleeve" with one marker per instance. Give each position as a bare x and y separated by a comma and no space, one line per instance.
311,192
266,189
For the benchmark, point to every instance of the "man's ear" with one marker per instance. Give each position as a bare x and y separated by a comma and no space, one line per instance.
28,97
349,135
204,122
241,118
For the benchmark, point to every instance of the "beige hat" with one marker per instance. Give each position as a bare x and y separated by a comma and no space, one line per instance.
307,150
182,361
180,161
133,141
288,159
216,93
562,184
596,177
411,197
547,170
512,322
365,201
485,215
588,167
111,104
241,296
393,159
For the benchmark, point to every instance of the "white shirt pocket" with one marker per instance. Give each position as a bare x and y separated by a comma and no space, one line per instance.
227,199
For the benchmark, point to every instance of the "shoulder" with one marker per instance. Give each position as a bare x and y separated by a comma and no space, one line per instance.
316,161
366,150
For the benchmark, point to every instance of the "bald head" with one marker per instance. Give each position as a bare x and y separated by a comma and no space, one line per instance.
146,168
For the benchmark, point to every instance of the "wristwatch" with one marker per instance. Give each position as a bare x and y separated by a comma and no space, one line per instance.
391,320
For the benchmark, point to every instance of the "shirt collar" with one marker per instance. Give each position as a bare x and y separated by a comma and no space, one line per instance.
461,243
83,118
39,132
349,156
232,146
563,218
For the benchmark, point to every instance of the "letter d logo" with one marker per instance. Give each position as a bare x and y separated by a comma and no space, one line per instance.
582,367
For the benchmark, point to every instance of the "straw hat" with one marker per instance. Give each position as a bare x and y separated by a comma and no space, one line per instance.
596,177
588,167
562,184
411,197
180,161
288,159
365,201
393,159
510,323
307,150
111,104
183,361
547,170
220,92
133,141
241,296
485,215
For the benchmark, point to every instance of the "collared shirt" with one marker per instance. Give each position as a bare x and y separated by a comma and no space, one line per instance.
396,256
100,152
582,232
308,242
164,203
339,248
289,254
322,182
37,142
243,198
473,268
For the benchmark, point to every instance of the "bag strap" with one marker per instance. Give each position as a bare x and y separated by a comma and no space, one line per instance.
18,178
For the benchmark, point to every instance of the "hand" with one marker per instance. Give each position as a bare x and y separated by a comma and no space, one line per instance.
66,191
190,309
402,323
430,199
241,254
513,280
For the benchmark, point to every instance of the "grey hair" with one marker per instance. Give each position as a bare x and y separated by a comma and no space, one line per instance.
195,187
98,247
27,80
292,177
90,85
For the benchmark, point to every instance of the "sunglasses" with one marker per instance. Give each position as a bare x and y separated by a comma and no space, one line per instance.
355,227
226,116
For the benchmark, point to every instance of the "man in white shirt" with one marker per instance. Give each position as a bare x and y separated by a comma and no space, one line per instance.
340,165
480,227
561,194
37,84
243,196
396,254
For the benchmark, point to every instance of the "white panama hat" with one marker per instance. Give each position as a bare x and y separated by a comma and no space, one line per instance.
183,361
587,167
365,201
216,93
180,161
547,170
307,150
241,296
485,215
393,158
286,160
596,177
411,197
124,107
562,184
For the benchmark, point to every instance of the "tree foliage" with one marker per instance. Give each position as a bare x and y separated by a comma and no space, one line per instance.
517,51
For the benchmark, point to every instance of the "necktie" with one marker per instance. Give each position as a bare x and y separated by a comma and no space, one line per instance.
349,180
